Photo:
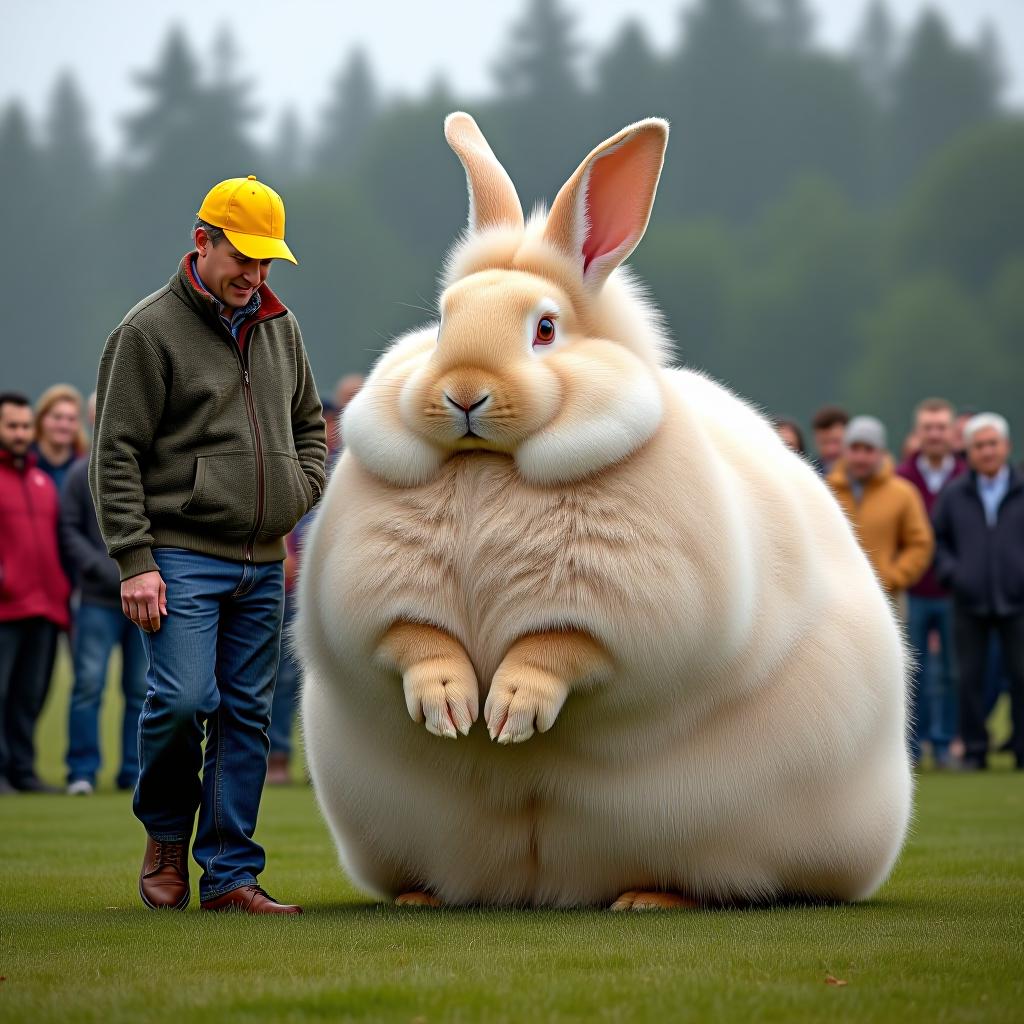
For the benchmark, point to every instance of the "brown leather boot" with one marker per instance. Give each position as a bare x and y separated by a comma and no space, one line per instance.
250,899
163,881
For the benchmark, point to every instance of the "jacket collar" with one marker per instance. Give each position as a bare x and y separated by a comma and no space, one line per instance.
1013,483
838,477
186,286
20,464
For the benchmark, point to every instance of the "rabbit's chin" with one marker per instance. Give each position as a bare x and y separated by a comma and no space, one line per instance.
577,444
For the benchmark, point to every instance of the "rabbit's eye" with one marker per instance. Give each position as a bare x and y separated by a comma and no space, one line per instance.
545,331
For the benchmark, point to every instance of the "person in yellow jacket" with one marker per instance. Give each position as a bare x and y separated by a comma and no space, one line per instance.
886,511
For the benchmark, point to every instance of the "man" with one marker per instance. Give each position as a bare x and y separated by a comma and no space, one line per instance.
979,532
931,471
209,448
829,426
100,626
963,417
886,511
33,595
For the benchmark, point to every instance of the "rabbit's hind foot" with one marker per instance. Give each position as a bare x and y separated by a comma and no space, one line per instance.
417,899
639,900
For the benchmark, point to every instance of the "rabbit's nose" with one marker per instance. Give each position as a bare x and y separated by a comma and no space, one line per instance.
466,408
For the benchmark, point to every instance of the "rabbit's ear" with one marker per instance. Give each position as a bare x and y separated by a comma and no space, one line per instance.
493,200
600,214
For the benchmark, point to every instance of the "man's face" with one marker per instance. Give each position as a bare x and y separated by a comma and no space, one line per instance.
15,427
60,425
230,275
862,461
958,431
934,429
988,451
829,442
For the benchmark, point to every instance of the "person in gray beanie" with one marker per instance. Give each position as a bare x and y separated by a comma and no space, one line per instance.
886,511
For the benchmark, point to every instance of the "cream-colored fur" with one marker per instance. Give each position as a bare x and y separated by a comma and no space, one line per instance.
694,681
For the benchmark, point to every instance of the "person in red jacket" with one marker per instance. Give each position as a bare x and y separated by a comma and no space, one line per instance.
33,595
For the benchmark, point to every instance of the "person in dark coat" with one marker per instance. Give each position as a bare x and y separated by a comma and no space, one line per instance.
979,530
99,627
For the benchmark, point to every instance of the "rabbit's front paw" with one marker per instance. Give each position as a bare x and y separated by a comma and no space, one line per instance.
443,693
523,698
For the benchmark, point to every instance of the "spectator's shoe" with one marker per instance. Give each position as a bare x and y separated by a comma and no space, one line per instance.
163,881
80,787
249,899
33,784
6,789
973,764
1009,746
277,770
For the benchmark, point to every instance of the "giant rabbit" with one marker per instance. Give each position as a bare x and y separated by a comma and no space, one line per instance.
691,684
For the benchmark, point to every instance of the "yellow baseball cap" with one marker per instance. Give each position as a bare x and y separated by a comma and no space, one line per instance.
251,215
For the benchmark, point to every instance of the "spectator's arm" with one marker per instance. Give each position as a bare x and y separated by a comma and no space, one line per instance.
945,542
309,432
126,421
78,553
916,543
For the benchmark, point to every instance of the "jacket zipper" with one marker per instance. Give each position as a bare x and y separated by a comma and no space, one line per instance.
254,423
254,426
30,507
250,407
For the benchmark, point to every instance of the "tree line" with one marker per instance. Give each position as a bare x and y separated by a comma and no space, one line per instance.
831,226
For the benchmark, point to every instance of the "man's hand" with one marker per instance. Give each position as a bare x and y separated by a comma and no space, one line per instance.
144,599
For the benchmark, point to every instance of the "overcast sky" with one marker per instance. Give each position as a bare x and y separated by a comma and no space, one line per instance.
292,50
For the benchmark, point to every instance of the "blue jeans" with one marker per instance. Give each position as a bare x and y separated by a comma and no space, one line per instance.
212,665
934,703
98,630
286,692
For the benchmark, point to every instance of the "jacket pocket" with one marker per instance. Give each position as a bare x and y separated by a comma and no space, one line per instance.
287,494
223,496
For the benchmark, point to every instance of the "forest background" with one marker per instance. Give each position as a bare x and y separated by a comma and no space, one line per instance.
831,226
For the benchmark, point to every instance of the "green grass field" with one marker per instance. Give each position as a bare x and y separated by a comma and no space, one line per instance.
943,941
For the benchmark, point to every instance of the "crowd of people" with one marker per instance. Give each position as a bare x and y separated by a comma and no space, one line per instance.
943,528
56,579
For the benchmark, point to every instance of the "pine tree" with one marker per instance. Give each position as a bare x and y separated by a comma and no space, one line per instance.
350,116
69,149
226,111
29,231
990,55
791,24
542,55
542,104
629,79
175,96
876,52
941,89
720,103
191,133
69,172
286,157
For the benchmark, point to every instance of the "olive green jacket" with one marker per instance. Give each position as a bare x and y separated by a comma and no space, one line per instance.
202,442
